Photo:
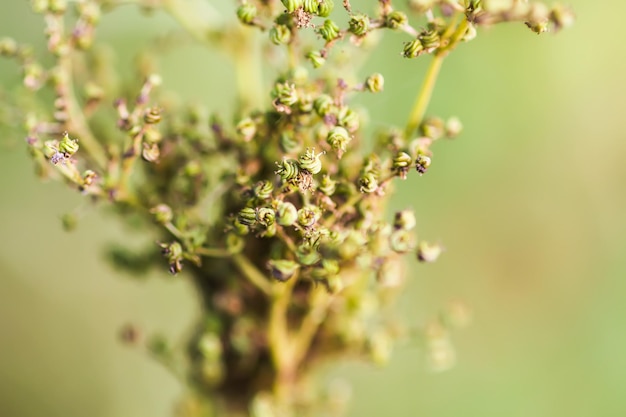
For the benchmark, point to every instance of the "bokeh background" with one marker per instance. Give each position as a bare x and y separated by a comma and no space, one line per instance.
529,202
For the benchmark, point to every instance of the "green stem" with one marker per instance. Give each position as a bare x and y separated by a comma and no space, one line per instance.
190,15
77,123
423,99
252,273
319,304
421,103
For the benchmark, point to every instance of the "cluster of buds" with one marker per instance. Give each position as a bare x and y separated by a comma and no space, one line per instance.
280,219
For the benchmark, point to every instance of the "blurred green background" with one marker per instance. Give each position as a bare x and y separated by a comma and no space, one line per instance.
529,202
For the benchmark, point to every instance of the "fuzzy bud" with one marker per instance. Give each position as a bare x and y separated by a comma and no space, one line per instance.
263,190
309,215
413,49
247,216
338,138
280,35
401,164
359,24
323,105
428,252
286,213
266,216
325,7
368,183
67,146
422,162
282,269
401,241
316,59
162,213
453,127
404,220
375,83
328,186
152,115
329,30
310,161
288,169
292,5
246,13
396,19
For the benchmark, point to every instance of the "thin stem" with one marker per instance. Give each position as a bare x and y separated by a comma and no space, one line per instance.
213,252
423,99
280,343
77,123
252,273
320,302
426,91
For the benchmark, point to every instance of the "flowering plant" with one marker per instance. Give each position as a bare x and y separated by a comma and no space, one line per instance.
279,217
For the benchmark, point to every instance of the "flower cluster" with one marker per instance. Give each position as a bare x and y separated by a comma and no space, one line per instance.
279,218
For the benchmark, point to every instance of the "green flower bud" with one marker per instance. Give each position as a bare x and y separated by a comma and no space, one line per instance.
310,6
323,104
405,220
453,127
430,40
8,47
338,138
316,58
359,24
396,19
292,5
401,241
375,83
246,13
310,161
240,228
88,177
162,213
263,189
266,216
67,146
327,185
282,269
422,162
152,115
307,255
401,164
428,252
246,128
351,246
325,7
305,104
287,213
280,35
309,215
413,49
329,30
368,183
150,152
349,119
174,254
285,94
433,127
247,216
288,169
